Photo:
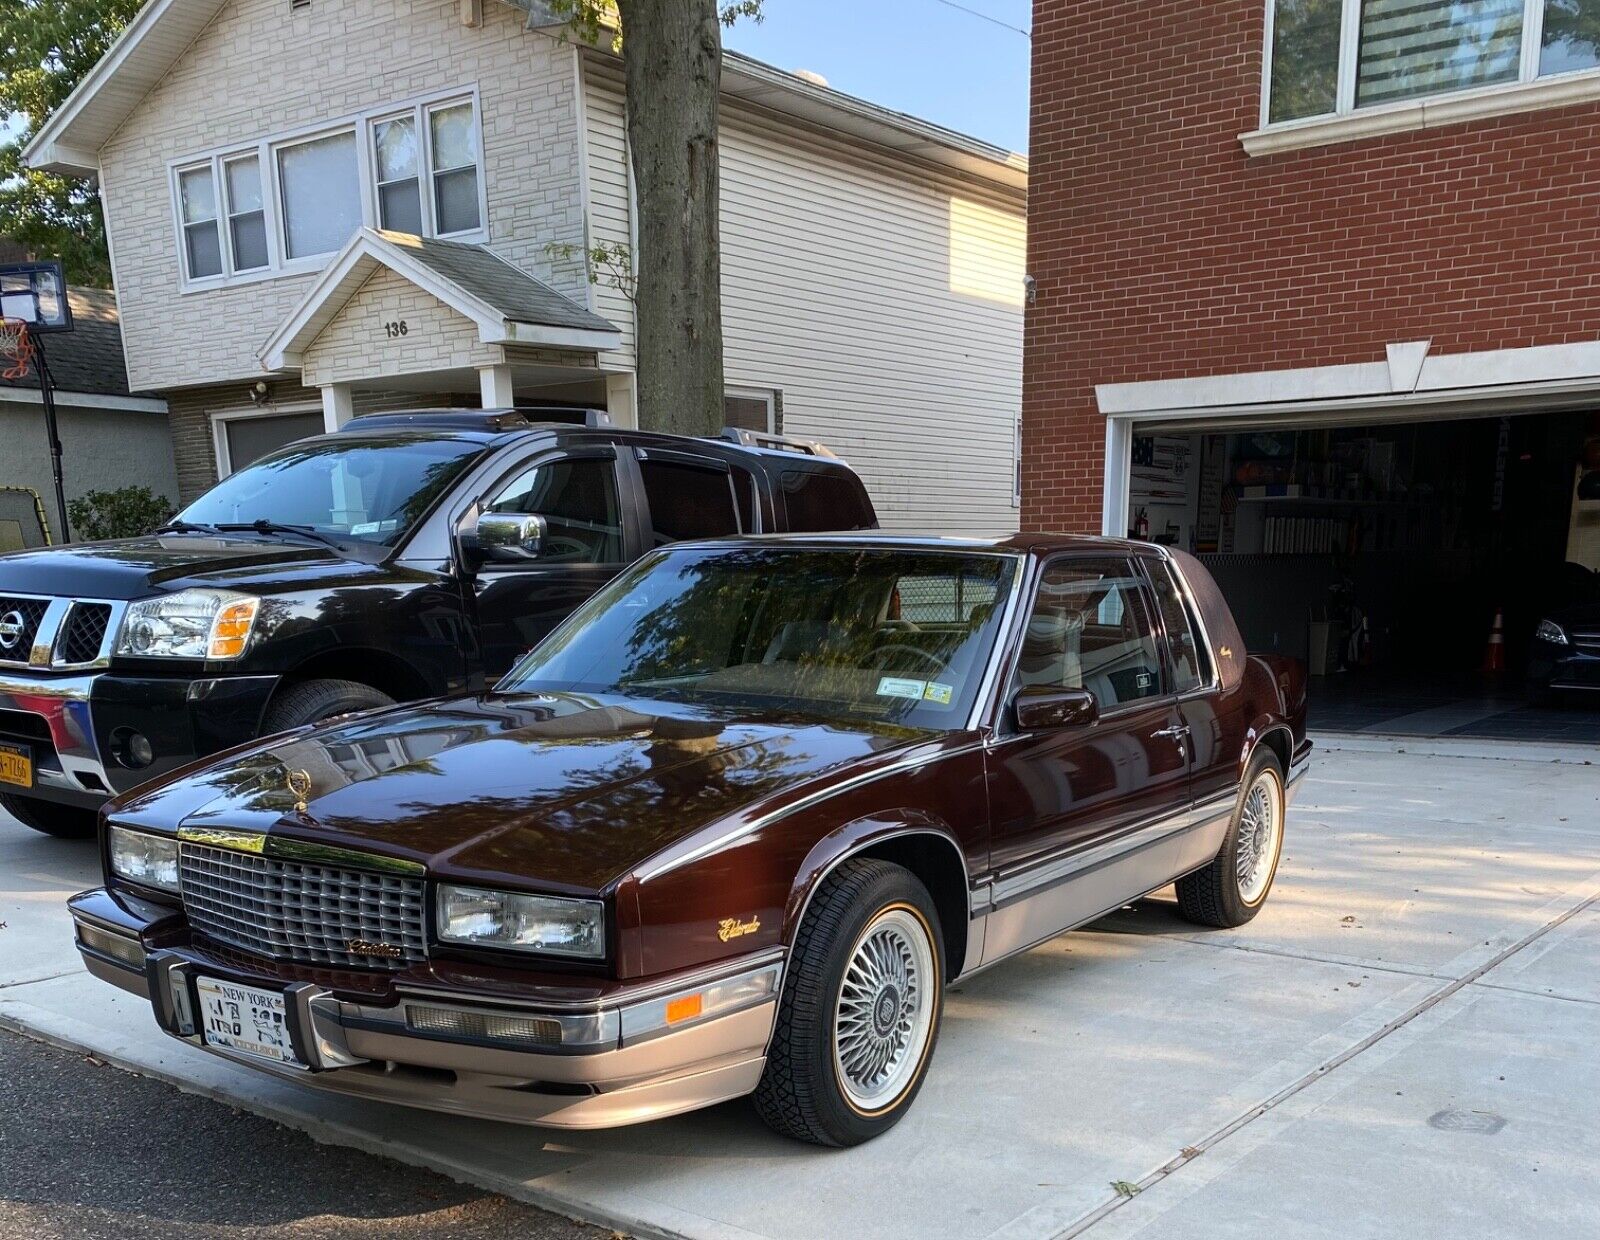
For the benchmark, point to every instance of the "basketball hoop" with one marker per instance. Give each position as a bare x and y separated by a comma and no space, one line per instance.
16,350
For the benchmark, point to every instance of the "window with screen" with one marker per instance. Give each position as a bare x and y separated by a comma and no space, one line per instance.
1091,628
578,501
688,501
1190,666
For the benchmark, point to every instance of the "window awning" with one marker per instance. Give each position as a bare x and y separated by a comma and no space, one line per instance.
507,305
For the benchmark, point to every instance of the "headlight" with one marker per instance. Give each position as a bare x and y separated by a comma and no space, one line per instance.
1550,631
192,624
140,858
547,924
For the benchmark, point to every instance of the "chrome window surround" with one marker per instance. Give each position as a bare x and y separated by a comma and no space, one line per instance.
45,651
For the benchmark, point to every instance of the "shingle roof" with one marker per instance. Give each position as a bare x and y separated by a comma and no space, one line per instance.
480,272
89,357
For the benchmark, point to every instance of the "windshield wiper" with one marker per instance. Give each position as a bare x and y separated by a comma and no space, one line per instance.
263,526
186,527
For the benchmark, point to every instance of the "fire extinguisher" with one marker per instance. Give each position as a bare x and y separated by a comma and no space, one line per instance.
1141,526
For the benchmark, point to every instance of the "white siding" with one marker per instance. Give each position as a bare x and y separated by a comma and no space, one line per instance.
884,302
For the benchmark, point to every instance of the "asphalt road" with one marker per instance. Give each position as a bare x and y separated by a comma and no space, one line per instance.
90,1151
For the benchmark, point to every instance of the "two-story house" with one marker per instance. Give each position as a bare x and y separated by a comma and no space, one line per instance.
1316,297
319,208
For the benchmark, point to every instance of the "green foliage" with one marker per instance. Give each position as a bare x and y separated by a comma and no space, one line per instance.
123,513
596,21
610,264
46,46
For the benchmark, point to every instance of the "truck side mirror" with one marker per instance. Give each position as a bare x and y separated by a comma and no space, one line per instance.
1042,708
514,537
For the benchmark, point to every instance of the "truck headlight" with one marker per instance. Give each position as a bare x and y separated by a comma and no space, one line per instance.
140,858
191,624
548,924
1550,631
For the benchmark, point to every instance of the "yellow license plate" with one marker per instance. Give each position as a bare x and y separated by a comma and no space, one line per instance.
16,768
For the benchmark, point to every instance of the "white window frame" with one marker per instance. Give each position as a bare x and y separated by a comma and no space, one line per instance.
266,151
219,418
1349,53
428,172
768,396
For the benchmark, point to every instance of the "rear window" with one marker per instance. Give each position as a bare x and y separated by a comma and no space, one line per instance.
815,500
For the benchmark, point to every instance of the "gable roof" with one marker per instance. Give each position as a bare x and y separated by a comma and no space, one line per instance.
508,305
70,140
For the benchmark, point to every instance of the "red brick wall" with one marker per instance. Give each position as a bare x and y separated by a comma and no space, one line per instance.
1159,249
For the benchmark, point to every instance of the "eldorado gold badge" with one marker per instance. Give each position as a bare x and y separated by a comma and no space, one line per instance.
732,927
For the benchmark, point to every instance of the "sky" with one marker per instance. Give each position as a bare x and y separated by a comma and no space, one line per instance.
925,57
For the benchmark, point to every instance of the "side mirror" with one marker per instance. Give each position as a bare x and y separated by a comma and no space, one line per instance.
1042,708
509,536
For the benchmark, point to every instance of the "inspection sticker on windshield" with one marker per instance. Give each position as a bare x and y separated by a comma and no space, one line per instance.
935,692
894,686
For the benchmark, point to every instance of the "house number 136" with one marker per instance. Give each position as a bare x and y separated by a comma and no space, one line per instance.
395,328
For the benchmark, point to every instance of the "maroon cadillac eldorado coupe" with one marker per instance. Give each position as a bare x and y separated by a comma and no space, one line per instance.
732,829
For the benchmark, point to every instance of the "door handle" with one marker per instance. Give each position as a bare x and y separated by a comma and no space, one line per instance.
1176,732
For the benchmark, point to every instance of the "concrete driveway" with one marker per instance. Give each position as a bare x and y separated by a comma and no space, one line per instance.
1402,1043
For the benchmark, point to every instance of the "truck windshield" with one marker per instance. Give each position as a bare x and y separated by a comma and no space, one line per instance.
880,634
369,490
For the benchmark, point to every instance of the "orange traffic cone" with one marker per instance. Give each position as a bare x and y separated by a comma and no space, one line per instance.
1494,657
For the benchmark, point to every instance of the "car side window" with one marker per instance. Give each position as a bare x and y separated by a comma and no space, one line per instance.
1190,667
816,500
578,500
1091,629
688,501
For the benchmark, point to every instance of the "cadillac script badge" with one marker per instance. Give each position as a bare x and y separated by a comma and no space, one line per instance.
732,927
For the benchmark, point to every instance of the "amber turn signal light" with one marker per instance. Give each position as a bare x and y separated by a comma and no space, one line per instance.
231,629
685,1007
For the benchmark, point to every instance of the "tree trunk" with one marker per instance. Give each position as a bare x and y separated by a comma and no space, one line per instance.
672,57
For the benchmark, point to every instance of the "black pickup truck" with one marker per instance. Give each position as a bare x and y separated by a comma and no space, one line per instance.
408,555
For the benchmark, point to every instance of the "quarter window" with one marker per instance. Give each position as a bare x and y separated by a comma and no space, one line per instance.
578,500
1190,666
197,198
815,500
1336,56
1091,629
688,501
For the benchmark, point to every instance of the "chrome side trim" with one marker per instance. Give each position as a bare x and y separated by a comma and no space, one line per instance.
672,862
1047,872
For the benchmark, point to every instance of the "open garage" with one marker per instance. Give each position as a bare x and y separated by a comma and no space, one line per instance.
1408,560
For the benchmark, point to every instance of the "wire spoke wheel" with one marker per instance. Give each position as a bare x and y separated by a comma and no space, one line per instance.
1260,837
884,1011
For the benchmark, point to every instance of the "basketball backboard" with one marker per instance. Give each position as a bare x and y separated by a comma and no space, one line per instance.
35,293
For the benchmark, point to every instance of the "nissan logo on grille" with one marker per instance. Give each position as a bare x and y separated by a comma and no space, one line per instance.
11,626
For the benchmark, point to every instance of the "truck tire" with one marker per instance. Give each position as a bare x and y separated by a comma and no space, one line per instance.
312,701
860,1009
1234,886
65,822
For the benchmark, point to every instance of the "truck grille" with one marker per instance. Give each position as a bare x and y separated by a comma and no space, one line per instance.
298,912
1587,641
16,640
84,633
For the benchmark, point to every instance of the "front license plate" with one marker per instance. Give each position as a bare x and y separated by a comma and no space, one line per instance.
244,1019
16,766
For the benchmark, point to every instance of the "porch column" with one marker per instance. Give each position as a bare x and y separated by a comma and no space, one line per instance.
494,387
620,403
337,406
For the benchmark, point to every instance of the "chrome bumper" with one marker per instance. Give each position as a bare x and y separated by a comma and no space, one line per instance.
634,1058
63,703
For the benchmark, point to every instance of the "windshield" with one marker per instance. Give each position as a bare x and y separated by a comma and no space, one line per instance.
372,490
869,634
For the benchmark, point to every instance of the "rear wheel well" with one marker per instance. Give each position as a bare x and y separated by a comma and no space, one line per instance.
1279,741
937,864
373,668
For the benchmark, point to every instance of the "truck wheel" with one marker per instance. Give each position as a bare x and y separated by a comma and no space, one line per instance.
312,701
860,1009
65,822
1232,889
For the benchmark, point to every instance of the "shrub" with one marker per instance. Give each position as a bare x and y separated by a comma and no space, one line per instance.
123,513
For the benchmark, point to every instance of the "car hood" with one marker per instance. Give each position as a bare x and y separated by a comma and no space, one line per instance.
132,568
566,791
1585,616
